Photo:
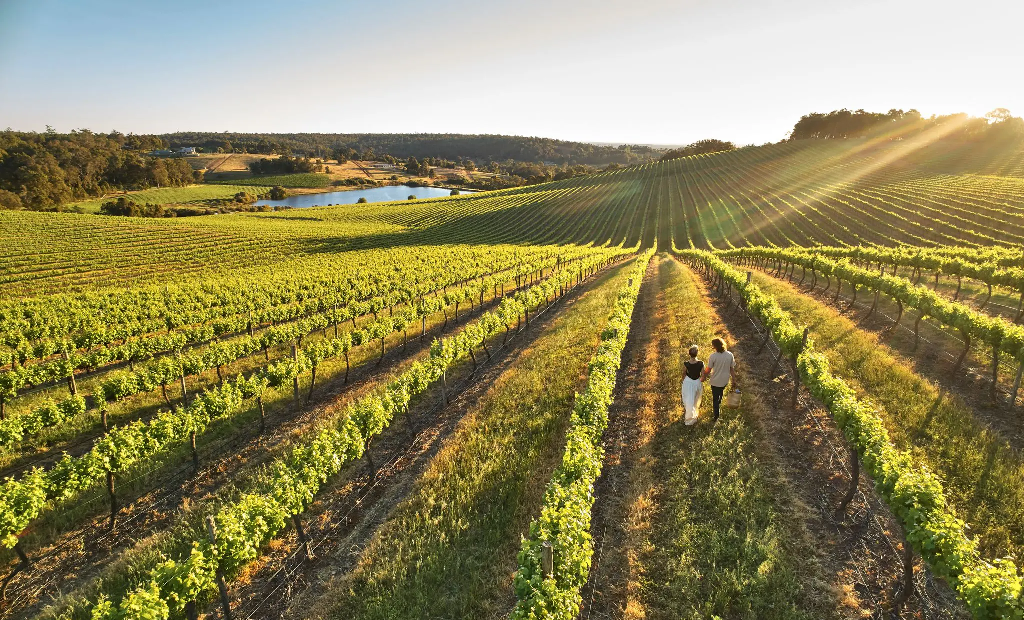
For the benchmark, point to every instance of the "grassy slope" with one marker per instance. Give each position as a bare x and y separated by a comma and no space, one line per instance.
175,195
713,527
449,550
984,478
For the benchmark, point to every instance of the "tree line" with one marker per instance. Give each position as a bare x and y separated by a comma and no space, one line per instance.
43,171
698,148
898,124
286,164
242,201
480,148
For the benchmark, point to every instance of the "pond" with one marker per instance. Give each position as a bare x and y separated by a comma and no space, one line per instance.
352,196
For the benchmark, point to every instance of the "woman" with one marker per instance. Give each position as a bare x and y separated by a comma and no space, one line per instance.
721,368
693,386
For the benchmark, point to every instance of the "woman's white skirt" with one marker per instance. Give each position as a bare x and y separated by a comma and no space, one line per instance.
692,390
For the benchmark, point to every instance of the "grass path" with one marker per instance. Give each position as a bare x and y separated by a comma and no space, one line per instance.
707,529
983,476
449,550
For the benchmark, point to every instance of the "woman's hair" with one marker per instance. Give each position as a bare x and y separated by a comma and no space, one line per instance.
719,345
694,349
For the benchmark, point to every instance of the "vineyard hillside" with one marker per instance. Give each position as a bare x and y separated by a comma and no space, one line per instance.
470,406
831,192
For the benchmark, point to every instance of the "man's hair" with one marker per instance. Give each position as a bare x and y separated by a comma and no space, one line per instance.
694,349
719,344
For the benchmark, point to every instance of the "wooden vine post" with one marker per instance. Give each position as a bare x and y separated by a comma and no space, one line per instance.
23,563
295,379
874,304
444,389
303,539
195,453
184,393
796,369
72,386
854,480
263,414
899,315
547,559
113,500
908,574
743,300
312,382
222,586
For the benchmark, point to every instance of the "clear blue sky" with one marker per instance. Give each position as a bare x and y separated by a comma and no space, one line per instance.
652,71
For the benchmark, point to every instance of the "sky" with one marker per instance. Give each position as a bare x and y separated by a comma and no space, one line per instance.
636,71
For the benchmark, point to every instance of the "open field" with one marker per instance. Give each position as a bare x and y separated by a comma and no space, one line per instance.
396,410
191,195
220,163
306,180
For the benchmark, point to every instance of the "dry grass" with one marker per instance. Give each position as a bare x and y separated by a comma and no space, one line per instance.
215,163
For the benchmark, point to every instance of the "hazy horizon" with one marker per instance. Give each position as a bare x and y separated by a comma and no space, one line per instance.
650,72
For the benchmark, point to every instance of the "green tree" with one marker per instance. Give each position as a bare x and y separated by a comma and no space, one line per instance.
999,115
9,200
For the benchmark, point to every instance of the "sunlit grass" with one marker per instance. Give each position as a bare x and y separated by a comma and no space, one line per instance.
449,550
722,542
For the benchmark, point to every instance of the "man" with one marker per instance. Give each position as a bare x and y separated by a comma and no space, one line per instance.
721,368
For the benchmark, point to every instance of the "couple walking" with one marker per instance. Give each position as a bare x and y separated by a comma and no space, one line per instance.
718,371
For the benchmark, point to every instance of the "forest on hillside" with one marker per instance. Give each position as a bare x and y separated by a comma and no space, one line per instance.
895,124
43,171
480,148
